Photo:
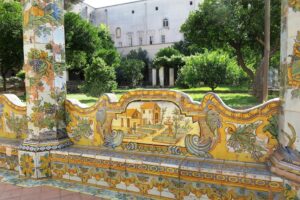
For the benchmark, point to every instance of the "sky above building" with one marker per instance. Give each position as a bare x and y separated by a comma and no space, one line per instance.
104,3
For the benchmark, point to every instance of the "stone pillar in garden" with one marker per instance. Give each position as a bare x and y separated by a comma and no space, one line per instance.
171,77
44,64
154,75
286,160
161,77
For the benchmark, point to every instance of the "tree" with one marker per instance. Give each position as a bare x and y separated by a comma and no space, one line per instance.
11,38
99,78
209,68
265,66
130,72
139,54
142,55
110,56
168,57
84,41
234,26
81,41
167,52
187,48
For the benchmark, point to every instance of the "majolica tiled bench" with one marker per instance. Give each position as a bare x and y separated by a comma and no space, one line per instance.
156,143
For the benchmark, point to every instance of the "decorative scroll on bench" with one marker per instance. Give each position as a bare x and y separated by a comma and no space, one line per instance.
13,120
170,122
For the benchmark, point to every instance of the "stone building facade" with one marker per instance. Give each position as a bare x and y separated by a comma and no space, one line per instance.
147,24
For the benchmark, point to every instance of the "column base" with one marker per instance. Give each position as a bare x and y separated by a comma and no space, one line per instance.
37,146
34,157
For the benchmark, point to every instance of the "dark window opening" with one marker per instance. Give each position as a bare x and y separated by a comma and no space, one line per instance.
132,12
151,40
165,23
191,3
156,8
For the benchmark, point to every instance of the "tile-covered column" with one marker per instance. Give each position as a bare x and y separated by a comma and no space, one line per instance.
285,161
290,74
44,64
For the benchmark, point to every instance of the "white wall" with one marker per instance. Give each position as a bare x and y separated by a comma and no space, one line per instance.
151,49
146,21
85,11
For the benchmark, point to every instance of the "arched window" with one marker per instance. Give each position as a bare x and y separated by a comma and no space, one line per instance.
118,32
165,23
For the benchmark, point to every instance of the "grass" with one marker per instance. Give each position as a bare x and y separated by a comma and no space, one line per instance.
235,97
83,98
221,89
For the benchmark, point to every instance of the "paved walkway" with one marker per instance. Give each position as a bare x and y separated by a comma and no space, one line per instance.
12,192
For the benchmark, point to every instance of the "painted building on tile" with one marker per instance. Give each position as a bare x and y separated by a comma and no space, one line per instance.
151,113
147,24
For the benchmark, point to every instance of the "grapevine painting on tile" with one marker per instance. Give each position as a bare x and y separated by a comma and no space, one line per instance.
44,53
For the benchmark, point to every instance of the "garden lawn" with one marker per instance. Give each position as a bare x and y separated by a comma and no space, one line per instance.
235,97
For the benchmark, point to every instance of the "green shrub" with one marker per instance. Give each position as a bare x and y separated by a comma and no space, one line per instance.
234,74
167,52
209,68
130,72
168,58
99,78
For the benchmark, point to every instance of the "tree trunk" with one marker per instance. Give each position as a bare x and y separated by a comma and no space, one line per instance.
265,68
242,64
257,84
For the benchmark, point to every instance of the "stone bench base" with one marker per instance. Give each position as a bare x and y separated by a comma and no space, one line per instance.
169,177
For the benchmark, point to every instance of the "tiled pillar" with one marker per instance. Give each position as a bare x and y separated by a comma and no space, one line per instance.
285,160
290,74
44,64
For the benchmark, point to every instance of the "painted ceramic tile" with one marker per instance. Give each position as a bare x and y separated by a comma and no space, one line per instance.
159,123
27,164
44,53
294,69
169,126
13,178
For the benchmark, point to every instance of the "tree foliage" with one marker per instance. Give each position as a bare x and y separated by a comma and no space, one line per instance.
139,54
168,57
69,3
130,72
209,68
99,78
167,52
11,38
187,48
236,26
142,55
84,41
81,39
